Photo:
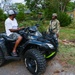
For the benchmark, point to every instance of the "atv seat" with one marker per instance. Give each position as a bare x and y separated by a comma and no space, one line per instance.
7,38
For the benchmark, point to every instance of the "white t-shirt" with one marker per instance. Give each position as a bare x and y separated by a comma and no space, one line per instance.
10,24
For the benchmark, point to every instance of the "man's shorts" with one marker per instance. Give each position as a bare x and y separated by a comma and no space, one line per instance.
14,36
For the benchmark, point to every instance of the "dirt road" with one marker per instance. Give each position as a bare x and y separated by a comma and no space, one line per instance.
18,68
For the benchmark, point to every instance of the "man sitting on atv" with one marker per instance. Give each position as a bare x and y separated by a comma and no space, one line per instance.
11,26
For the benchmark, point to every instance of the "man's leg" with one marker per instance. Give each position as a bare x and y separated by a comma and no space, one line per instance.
17,43
18,39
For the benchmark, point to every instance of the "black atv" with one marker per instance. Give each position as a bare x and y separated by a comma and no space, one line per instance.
34,48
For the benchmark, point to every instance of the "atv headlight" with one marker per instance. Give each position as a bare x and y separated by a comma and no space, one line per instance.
50,45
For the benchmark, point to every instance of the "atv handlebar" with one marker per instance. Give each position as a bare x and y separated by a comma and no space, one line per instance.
29,29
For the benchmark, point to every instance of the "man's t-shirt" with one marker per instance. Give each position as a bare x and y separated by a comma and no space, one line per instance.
10,24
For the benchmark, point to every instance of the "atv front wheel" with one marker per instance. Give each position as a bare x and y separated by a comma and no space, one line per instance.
1,58
35,62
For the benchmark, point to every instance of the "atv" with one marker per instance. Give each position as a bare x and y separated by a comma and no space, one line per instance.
34,48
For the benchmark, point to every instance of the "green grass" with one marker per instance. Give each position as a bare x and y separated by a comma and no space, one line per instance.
67,54
67,33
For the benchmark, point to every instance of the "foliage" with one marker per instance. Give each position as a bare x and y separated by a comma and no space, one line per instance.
19,7
5,4
48,4
70,6
63,4
33,4
2,15
20,16
42,27
64,19
51,6
72,25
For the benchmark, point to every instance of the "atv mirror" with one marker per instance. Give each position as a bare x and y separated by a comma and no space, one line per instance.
37,25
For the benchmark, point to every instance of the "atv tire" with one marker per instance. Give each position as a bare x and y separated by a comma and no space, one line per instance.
1,57
35,62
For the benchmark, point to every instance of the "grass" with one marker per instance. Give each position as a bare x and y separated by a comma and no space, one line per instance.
67,33
67,52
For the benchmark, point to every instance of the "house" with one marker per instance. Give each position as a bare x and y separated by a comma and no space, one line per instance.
71,13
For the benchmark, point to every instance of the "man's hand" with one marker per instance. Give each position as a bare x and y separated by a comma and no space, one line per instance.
22,27
57,35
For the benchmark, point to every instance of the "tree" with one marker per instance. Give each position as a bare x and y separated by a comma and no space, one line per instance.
2,15
63,4
70,6
19,7
6,4
51,6
34,4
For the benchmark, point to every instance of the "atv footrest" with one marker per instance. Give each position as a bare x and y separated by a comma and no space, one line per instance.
13,58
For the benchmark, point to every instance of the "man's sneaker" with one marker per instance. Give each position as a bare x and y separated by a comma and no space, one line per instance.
14,54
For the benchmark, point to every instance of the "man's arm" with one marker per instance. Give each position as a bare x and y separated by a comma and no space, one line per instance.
58,27
14,30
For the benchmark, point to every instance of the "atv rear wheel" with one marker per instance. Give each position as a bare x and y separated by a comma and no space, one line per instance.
35,62
1,57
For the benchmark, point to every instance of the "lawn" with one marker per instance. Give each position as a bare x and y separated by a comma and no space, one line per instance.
67,52
67,33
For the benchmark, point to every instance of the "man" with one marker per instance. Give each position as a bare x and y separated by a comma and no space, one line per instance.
54,24
11,26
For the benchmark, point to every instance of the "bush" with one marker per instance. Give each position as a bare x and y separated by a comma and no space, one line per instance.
64,19
42,27
72,25
20,16
2,15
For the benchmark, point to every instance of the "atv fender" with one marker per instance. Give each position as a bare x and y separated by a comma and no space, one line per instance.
33,44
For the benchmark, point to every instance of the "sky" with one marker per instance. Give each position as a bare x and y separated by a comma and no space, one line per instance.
22,1
72,0
15,1
18,1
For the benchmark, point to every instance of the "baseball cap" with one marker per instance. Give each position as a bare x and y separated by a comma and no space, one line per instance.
54,14
11,12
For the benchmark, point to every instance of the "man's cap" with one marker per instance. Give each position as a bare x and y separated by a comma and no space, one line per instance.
11,12
54,14
40,13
